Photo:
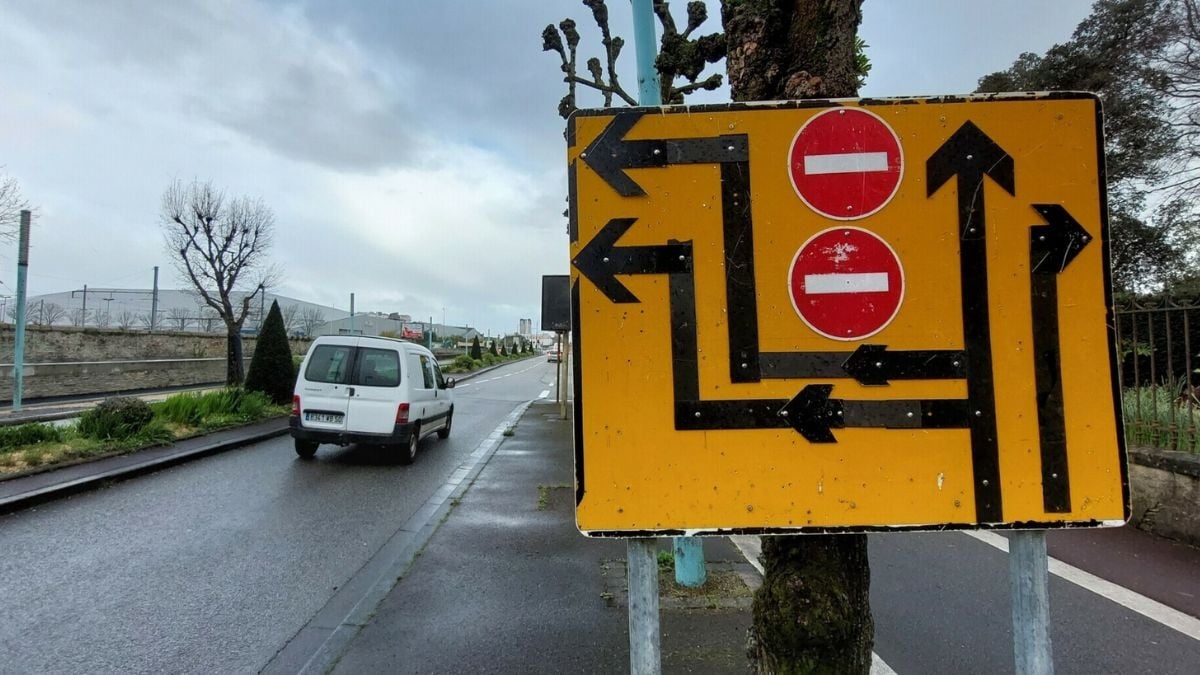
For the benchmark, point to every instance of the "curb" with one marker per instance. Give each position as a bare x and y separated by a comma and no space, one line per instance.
59,490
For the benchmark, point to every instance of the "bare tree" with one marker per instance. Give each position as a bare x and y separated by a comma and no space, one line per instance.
53,312
208,319
311,319
143,321
291,318
103,319
220,247
126,319
11,205
179,317
78,316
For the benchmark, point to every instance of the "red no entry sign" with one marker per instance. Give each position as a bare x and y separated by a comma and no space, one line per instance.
846,283
846,163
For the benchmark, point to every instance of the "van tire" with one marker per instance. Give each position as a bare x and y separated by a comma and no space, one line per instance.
444,432
408,452
305,449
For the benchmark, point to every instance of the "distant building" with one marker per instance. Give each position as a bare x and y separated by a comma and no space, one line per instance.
176,310
526,327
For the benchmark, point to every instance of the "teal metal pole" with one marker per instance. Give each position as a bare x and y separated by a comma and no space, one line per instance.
689,551
19,341
644,38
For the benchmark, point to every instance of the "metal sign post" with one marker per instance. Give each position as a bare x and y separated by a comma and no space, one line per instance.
1028,574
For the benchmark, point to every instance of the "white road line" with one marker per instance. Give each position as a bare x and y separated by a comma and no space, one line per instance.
751,548
544,394
1151,609
845,162
867,282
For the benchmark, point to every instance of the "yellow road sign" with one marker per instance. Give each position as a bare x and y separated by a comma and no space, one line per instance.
843,315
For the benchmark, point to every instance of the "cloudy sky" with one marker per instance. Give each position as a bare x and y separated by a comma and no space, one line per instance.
410,149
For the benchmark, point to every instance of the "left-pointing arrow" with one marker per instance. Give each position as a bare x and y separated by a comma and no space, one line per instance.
609,155
814,415
601,260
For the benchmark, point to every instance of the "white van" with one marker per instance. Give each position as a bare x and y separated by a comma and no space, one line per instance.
370,390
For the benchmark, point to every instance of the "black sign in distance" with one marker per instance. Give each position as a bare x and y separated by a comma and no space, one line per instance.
556,302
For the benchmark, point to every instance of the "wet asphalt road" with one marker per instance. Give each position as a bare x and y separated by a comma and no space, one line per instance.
214,565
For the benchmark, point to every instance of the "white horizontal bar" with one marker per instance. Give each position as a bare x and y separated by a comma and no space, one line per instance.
849,162
870,282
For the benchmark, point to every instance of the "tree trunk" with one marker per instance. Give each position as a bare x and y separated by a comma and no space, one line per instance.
813,613
235,367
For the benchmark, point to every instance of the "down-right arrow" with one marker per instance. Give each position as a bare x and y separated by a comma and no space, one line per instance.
1052,247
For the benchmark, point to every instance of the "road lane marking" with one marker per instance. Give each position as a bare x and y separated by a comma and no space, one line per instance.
751,548
544,393
1151,609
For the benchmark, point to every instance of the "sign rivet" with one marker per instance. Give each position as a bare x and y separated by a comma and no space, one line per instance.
956,364
697,413
879,364
606,260
979,413
910,414
657,151
969,157
783,413
985,481
683,257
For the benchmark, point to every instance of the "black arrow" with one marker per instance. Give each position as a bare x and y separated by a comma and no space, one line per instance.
610,155
970,155
869,364
813,414
1052,247
601,260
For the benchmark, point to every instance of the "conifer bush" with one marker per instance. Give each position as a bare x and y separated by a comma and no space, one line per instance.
271,369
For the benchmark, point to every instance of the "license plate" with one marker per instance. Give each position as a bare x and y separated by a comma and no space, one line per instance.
328,418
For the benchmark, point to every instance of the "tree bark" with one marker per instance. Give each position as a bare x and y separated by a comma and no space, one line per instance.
813,613
235,370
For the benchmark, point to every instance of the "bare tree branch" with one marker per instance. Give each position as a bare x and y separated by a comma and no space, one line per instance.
220,246
11,205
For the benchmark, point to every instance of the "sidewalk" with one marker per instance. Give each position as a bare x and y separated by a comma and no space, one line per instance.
507,584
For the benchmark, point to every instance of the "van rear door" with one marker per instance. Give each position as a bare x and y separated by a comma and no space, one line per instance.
376,390
324,385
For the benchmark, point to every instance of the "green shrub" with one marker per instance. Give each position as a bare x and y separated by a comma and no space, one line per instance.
271,370
28,434
463,362
194,409
119,417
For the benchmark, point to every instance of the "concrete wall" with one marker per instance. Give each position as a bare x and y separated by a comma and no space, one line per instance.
1166,493
62,361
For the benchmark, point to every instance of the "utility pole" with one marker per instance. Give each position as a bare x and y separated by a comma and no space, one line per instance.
19,341
352,314
153,300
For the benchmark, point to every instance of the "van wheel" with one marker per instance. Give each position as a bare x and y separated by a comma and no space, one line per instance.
306,449
409,452
444,432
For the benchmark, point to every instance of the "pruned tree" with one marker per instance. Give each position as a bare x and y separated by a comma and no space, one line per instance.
311,319
103,319
680,55
476,350
125,319
144,322
220,247
78,316
179,318
812,613
11,205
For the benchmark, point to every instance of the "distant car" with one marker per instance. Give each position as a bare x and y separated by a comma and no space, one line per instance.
552,356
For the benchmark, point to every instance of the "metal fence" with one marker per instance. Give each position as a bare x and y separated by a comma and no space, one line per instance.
1157,342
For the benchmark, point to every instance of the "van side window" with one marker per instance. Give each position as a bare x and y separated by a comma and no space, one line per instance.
377,368
437,374
427,369
416,370
329,363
